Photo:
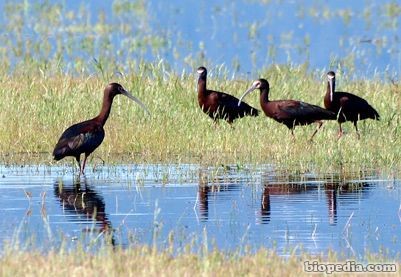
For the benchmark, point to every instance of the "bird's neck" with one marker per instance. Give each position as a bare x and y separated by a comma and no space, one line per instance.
105,111
202,86
264,95
329,92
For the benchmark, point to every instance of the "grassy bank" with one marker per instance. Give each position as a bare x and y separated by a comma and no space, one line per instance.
144,262
37,104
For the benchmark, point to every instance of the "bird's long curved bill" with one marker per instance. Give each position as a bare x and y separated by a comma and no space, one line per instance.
139,102
252,88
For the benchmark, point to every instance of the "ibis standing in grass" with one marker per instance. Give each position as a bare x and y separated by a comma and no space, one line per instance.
86,136
220,105
289,112
347,106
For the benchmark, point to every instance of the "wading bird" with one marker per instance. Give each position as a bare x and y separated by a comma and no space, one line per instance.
86,136
347,106
289,112
220,105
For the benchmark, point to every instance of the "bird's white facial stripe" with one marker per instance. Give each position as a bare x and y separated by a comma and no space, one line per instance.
256,84
330,76
200,71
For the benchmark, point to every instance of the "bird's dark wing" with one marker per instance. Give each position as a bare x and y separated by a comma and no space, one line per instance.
301,110
356,104
230,104
80,138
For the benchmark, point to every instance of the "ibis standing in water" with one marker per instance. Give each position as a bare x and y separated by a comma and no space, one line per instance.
220,105
347,106
86,136
289,112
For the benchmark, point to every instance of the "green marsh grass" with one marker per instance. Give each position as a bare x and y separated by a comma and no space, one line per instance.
56,61
38,105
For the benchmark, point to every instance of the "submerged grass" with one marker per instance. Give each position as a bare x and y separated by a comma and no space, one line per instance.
37,105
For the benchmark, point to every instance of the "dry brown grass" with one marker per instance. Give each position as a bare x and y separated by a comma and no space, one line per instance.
144,262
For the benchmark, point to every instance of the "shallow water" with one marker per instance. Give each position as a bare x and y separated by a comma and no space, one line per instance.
357,36
178,205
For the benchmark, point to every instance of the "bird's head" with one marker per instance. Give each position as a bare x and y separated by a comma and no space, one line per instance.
331,75
114,89
202,71
258,84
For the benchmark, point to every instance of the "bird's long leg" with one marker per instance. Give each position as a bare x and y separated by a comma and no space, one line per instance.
78,158
83,165
292,127
356,128
215,123
319,125
230,122
340,133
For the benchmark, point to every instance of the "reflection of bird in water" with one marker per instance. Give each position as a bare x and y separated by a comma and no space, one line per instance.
203,192
265,206
270,190
215,185
84,201
331,194
348,187
334,190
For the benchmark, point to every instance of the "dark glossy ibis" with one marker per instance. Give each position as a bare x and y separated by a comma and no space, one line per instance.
289,112
85,137
347,106
220,105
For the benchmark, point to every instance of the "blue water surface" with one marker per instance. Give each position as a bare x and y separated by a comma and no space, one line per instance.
360,37
229,208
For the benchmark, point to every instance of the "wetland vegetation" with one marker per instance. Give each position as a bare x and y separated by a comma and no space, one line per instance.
177,131
143,261
54,77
